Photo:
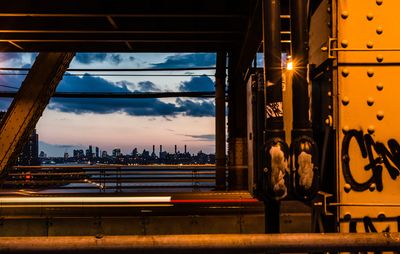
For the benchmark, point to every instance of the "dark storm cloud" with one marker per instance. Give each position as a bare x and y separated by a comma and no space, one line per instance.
188,60
148,86
197,108
137,107
5,103
204,137
11,57
88,58
88,83
197,84
116,59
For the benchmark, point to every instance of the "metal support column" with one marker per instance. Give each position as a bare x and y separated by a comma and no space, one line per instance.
275,177
237,127
220,124
305,174
29,104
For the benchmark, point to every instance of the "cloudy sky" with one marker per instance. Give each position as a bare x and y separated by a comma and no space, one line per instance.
125,123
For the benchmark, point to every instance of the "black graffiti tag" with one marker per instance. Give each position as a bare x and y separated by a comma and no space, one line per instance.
378,156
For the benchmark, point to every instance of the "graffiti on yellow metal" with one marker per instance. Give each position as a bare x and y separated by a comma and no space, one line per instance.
366,114
379,157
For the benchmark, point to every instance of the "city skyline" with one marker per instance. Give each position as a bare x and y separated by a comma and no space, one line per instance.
109,122
72,149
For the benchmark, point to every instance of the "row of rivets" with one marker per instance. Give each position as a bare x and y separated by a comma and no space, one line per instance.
347,187
370,100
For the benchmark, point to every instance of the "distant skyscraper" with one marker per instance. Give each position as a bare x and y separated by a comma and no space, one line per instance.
176,149
89,152
97,152
160,150
30,153
185,149
116,152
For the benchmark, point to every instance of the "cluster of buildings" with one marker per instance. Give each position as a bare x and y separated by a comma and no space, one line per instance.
95,155
30,155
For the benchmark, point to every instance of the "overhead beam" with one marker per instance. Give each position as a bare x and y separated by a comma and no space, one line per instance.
29,104
252,40
207,8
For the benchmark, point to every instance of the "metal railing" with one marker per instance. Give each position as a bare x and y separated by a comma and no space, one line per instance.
224,243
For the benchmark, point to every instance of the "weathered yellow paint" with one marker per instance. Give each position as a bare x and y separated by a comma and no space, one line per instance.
368,100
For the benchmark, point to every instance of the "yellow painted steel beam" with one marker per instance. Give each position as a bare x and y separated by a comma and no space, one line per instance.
29,104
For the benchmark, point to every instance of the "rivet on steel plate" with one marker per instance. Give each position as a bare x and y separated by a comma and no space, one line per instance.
380,115
379,30
329,94
379,87
347,216
381,216
344,43
370,16
379,58
345,101
371,129
345,14
370,72
379,2
345,72
345,129
370,44
328,120
370,101
372,187
347,187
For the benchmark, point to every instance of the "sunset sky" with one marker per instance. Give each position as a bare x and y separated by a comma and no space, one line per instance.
69,124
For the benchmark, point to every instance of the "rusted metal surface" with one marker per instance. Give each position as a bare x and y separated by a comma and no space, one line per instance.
231,243
29,104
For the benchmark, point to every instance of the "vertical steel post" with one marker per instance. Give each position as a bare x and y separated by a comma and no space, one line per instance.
237,127
304,155
220,124
275,177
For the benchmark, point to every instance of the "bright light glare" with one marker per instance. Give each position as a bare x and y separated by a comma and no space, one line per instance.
289,65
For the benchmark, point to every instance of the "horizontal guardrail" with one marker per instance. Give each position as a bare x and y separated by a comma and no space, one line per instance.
215,243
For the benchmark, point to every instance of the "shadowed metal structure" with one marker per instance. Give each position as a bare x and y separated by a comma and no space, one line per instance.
123,26
29,104
150,26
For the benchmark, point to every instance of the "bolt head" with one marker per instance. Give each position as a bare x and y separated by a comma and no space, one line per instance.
372,187
345,101
370,101
380,115
370,72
